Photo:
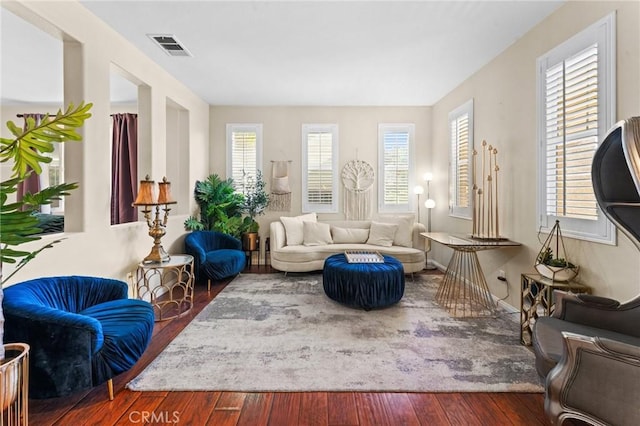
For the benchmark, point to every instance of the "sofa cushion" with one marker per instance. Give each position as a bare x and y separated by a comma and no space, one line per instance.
349,235
404,234
381,234
316,233
302,254
293,227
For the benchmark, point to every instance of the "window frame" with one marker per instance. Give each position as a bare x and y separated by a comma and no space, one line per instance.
456,210
384,128
243,127
602,33
308,207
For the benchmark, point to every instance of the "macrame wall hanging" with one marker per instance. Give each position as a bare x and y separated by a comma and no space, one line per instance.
357,179
280,196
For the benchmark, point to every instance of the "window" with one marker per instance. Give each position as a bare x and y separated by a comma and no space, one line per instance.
395,167
244,152
55,172
460,167
576,108
319,168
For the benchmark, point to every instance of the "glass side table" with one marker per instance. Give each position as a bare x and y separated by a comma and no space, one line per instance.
536,300
168,286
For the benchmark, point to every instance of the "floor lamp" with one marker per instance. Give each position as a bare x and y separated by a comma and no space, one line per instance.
429,204
418,190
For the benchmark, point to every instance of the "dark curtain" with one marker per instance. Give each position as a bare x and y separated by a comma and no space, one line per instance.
124,168
32,184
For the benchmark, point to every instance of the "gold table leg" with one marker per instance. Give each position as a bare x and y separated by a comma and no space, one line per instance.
464,291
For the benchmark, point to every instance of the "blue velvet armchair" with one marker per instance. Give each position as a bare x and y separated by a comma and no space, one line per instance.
216,255
83,331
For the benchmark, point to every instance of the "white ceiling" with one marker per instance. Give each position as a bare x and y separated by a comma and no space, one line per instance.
295,53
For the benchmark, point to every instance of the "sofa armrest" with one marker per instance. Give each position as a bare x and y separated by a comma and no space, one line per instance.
596,380
60,324
599,312
419,242
277,235
578,308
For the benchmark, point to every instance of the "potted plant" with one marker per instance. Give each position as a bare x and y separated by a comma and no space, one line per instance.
27,151
256,201
220,207
556,268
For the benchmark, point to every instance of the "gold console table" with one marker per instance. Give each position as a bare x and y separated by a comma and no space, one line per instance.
464,291
168,286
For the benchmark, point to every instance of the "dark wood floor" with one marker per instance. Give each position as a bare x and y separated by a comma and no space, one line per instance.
280,409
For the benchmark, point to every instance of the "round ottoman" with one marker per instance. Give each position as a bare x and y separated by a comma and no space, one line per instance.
363,285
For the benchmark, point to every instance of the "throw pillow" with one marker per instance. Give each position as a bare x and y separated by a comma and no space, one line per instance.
316,233
349,235
381,234
293,227
404,233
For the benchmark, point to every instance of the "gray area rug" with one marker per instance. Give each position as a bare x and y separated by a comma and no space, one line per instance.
274,333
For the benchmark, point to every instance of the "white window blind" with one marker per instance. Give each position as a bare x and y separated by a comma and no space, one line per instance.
576,108
460,168
319,168
244,143
396,167
572,135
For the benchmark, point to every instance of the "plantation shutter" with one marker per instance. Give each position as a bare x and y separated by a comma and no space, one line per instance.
320,168
572,135
396,168
460,155
244,156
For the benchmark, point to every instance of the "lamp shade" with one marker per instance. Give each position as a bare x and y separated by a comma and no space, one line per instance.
418,190
428,177
164,195
145,193
430,204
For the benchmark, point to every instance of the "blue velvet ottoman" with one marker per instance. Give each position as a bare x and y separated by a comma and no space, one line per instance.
363,285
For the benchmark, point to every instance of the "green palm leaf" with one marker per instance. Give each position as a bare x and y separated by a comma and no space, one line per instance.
28,150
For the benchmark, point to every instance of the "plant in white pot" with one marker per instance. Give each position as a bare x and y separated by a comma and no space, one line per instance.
27,150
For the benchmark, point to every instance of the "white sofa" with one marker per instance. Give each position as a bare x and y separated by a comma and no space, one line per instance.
305,258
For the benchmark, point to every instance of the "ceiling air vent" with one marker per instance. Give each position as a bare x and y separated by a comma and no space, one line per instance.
169,44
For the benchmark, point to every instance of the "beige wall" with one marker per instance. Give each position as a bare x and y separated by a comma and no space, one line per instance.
95,247
282,130
504,94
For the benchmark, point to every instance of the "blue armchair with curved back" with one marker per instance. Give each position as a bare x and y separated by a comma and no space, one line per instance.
216,255
83,331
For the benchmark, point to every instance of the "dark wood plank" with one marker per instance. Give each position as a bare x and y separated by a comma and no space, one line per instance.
485,408
385,409
139,412
172,407
227,410
457,410
46,412
534,402
313,409
108,413
399,409
428,409
256,409
342,410
201,407
285,409
514,410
